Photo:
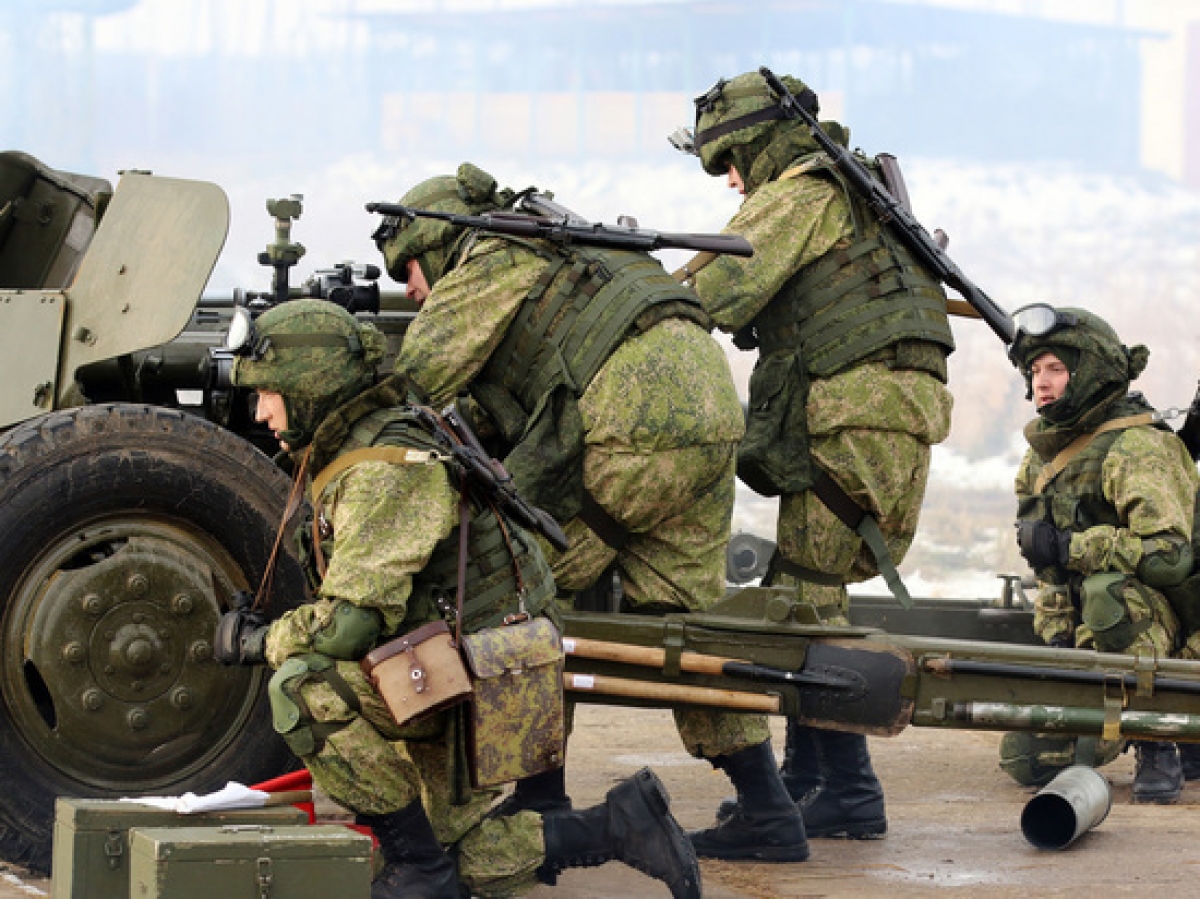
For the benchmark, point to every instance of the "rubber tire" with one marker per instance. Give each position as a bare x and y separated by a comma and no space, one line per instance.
63,469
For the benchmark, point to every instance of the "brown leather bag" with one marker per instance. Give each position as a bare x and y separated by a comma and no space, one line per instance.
419,673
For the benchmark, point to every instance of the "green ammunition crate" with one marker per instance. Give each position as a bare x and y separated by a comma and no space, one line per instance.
90,855
237,861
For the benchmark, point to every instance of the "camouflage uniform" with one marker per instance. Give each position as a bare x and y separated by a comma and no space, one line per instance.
660,424
618,414
850,381
382,549
1117,509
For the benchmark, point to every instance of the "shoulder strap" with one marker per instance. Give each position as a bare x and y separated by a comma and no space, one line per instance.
1054,467
397,455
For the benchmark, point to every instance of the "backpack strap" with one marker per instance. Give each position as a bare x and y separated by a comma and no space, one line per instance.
1054,467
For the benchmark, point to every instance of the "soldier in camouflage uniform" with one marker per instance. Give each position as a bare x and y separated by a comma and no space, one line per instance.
847,395
1106,498
616,412
383,553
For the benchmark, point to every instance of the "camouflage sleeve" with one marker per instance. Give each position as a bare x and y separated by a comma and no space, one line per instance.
789,223
1025,477
386,521
1152,482
466,316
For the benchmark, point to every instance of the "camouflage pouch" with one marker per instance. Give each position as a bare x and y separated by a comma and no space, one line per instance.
773,458
516,723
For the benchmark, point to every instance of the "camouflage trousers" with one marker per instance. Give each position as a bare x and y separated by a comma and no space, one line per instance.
1148,627
677,506
373,766
871,429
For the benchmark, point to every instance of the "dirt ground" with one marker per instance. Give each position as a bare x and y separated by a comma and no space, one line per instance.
954,825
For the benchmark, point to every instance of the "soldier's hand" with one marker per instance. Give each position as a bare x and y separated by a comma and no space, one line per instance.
241,637
1042,544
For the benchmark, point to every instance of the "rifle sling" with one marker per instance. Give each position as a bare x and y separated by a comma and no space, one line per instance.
613,533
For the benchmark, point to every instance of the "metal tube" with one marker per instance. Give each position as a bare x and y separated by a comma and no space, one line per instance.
1066,719
1065,809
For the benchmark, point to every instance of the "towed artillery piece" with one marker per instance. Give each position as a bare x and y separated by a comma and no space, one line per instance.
137,496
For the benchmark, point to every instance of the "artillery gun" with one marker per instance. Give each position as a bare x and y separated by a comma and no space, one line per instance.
136,497
135,494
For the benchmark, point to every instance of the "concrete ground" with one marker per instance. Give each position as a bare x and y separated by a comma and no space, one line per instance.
954,825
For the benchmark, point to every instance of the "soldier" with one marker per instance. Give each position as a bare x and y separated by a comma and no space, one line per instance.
384,548
1106,500
846,397
617,413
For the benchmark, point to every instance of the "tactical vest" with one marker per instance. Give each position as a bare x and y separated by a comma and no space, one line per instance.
497,551
856,301
583,306
1075,500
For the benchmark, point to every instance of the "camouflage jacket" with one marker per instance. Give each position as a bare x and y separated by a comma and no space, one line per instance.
666,388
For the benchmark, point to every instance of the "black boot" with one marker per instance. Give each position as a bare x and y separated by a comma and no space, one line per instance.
765,823
415,864
801,768
1189,758
545,792
634,826
1158,776
850,804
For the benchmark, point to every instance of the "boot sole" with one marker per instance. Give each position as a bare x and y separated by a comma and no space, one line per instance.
777,854
868,831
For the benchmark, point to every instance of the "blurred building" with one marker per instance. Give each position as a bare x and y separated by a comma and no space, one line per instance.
1108,85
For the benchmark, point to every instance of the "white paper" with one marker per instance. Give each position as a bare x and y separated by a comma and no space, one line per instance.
232,795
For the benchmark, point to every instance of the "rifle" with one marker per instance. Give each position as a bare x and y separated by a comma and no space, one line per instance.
566,229
892,213
488,475
1189,431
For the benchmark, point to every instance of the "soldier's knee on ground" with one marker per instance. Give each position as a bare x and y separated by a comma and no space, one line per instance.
1033,760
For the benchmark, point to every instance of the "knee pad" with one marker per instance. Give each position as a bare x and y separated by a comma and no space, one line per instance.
1033,760
290,714
1105,612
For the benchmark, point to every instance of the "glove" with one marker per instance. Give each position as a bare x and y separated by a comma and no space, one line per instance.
1042,544
241,635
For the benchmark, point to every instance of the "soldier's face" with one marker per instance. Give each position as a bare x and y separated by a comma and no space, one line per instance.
1049,379
734,180
270,410
418,287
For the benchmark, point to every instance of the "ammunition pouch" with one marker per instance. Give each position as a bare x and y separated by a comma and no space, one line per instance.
292,718
350,633
773,457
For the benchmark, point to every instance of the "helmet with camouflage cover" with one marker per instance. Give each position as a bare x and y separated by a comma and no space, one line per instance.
313,353
741,123
432,242
1101,366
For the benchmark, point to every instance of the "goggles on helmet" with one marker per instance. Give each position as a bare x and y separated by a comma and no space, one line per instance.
1040,319
243,340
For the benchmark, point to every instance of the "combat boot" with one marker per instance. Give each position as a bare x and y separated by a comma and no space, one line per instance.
850,804
800,771
634,825
1189,759
544,792
1158,775
415,864
765,823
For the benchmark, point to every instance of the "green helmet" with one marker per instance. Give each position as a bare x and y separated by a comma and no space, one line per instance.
313,353
1101,366
736,121
431,241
